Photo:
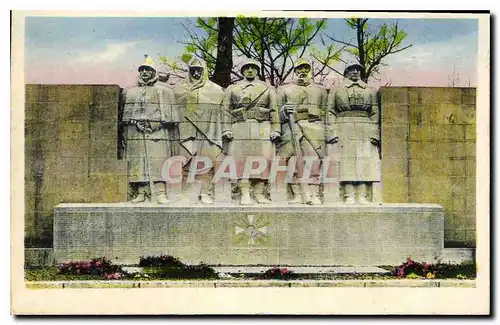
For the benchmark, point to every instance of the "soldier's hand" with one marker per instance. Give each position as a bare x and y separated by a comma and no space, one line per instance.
374,142
288,109
275,136
141,126
155,126
144,126
227,135
332,139
162,77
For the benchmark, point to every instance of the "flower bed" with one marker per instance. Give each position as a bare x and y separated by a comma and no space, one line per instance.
164,267
415,270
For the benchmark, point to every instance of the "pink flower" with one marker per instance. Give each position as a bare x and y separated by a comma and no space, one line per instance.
113,276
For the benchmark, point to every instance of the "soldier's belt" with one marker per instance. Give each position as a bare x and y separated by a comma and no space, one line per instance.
256,113
306,116
353,113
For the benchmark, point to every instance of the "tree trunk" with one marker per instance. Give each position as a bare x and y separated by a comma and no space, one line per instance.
224,60
361,47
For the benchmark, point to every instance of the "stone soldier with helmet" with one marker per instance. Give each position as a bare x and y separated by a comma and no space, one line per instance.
199,102
355,135
251,126
148,120
307,102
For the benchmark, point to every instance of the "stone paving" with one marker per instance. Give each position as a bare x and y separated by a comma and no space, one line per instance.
250,283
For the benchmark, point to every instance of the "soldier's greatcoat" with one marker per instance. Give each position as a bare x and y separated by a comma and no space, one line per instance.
354,116
251,114
309,101
199,103
152,103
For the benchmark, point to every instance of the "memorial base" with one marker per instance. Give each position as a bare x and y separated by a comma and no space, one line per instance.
251,235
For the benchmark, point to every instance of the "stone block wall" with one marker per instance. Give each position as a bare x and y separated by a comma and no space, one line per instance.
429,153
70,152
71,155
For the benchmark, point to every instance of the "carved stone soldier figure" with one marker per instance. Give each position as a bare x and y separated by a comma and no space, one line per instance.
199,102
251,125
355,138
307,102
148,119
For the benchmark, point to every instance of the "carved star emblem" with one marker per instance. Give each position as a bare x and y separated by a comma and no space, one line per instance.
253,230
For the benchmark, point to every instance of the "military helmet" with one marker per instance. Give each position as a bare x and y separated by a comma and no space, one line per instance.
196,62
302,61
148,62
352,66
248,62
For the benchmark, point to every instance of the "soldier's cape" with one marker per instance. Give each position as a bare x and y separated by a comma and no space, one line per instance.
199,104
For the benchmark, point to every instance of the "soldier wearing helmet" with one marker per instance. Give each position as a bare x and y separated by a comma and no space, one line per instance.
199,102
148,121
251,127
307,102
355,135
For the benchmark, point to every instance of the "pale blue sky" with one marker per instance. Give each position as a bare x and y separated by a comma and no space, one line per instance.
79,49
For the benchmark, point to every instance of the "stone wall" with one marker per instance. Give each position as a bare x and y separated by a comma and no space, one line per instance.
429,153
250,235
70,152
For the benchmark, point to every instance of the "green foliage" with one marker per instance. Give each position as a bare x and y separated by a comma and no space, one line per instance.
160,261
275,42
372,44
414,276
201,271
155,267
52,274
179,270
169,267
186,57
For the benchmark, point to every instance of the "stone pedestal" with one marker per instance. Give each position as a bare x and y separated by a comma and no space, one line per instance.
251,235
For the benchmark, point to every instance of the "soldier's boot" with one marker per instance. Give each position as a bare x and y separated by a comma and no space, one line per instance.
350,194
298,196
363,194
206,190
206,199
315,195
245,193
161,192
189,193
259,192
141,194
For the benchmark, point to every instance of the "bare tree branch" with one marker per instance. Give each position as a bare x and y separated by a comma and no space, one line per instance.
204,24
341,42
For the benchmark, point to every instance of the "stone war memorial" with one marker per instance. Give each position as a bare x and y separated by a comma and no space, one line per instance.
299,161
299,183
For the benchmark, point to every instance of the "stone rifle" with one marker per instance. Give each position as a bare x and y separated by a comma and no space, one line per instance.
247,107
148,166
300,158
